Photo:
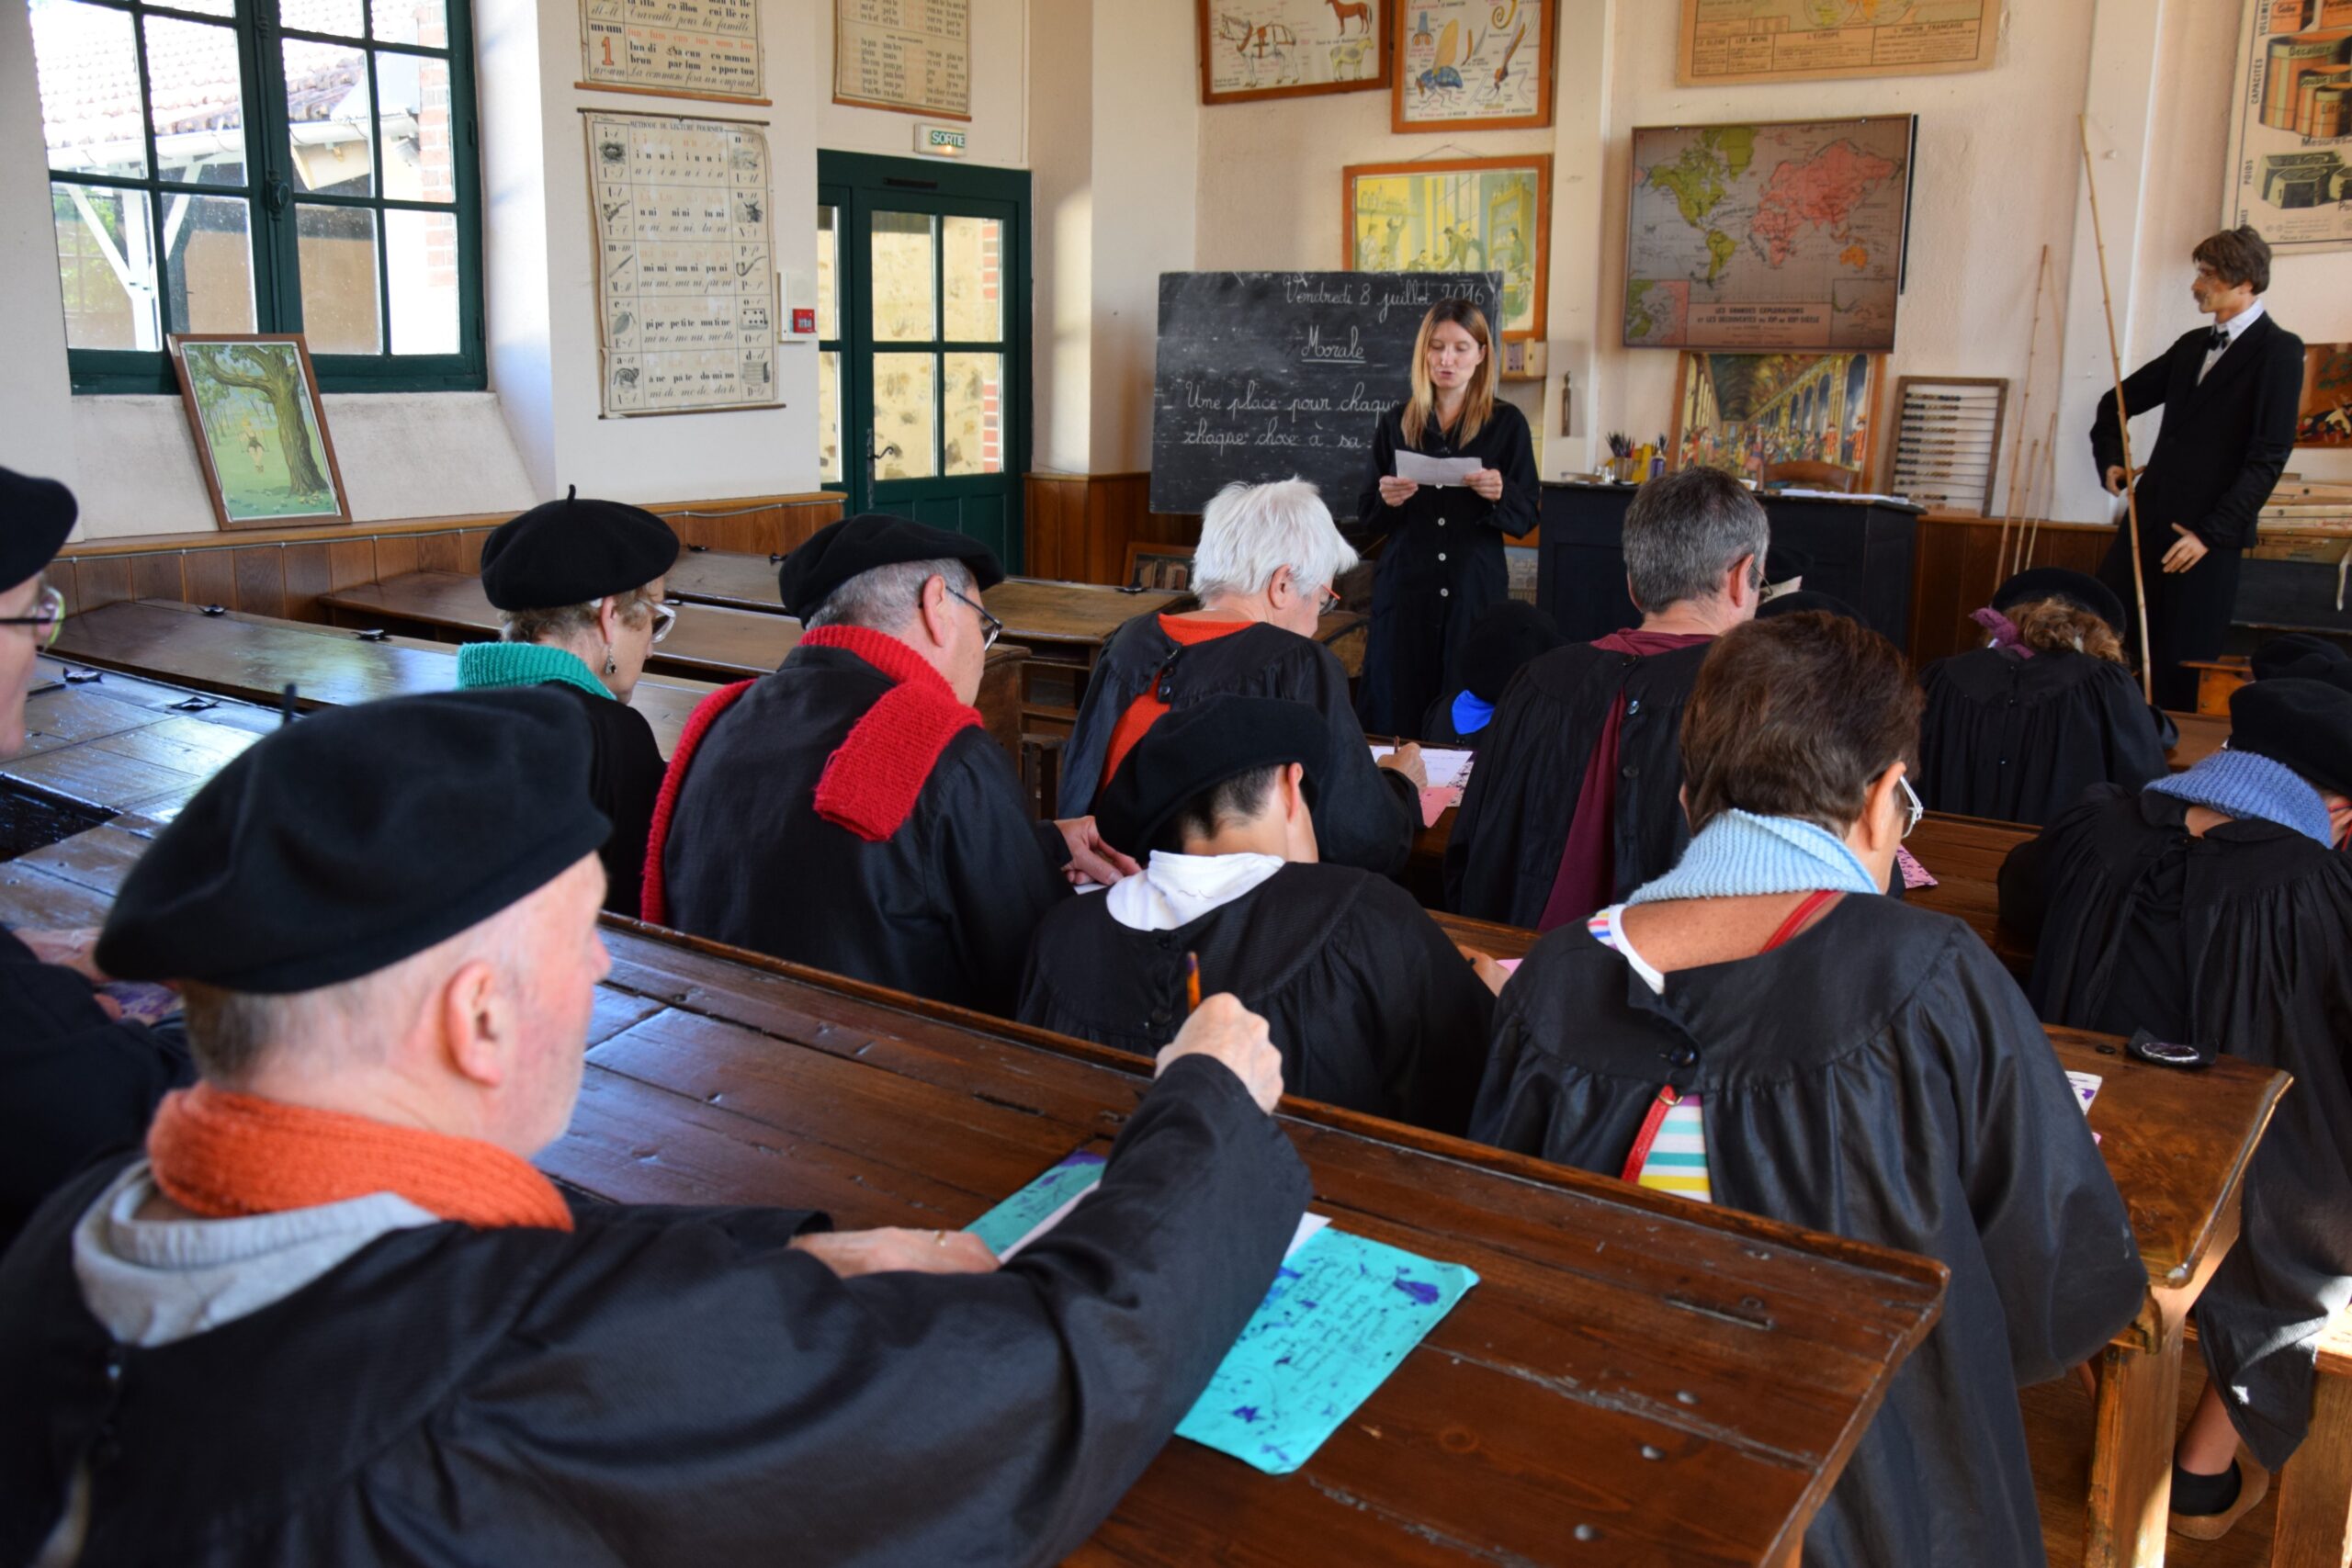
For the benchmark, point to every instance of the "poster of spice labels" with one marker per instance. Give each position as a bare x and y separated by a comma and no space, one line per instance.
685,270
2291,127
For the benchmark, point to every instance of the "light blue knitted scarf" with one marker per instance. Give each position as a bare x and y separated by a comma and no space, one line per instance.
2240,784
1740,853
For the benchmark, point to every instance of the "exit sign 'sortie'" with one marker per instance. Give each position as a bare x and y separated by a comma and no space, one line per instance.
939,140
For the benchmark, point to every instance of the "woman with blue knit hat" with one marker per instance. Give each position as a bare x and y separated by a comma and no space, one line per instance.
2214,908
578,585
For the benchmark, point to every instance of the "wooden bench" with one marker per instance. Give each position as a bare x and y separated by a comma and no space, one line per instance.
1647,1378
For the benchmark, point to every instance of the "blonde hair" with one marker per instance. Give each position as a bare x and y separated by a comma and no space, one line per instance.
1479,399
2047,626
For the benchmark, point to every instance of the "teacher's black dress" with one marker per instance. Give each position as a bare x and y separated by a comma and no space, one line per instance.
1443,565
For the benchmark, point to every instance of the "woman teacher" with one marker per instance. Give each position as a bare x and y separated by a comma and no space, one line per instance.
1443,565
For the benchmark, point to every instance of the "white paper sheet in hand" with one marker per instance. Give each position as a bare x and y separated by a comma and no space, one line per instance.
1447,769
1436,470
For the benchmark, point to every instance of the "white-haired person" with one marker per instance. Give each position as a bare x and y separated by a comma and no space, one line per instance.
1262,578
1442,566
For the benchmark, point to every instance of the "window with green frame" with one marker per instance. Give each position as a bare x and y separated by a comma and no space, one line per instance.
265,166
831,204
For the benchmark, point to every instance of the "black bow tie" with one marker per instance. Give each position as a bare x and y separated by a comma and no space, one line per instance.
2217,340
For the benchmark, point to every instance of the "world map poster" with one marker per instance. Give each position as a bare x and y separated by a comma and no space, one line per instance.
1778,236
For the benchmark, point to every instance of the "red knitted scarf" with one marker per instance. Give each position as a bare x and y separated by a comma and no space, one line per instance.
223,1154
870,784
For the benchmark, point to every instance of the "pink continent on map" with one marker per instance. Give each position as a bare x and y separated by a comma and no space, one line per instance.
1822,192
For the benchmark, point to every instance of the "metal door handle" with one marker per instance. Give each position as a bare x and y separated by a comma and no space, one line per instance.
890,451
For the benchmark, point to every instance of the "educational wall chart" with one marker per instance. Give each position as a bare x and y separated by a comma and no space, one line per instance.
684,47
1780,236
685,267
1456,215
911,55
2323,416
1815,41
1742,412
1287,48
2291,131
1471,65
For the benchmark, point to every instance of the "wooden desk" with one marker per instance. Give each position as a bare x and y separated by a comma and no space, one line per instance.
2202,735
97,745
1684,1382
2217,678
729,578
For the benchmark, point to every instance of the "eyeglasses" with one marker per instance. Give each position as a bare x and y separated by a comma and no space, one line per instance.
991,628
1326,601
1911,802
665,616
47,619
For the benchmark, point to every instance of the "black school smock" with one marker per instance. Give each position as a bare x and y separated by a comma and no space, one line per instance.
943,908
2242,939
1365,814
1878,1077
1513,823
659,1385
1442,566
2019,739
1370,1006
73,1082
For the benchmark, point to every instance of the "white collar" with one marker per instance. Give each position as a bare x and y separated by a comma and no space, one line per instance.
2236,326
1175,890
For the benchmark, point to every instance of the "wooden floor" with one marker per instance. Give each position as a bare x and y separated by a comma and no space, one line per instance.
2058,1439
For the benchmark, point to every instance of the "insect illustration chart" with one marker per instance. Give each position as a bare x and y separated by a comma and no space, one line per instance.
686,264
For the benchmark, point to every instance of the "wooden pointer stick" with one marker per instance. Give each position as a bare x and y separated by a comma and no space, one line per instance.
2046,484
2025,398
2122,418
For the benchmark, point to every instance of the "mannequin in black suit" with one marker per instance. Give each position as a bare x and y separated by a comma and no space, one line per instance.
2229,395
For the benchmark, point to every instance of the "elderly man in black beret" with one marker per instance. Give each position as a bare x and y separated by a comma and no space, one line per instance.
579,591
2215,909
848,811
334,1316
76,1077
1370,1005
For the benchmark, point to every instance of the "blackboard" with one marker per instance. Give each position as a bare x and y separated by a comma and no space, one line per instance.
1264,375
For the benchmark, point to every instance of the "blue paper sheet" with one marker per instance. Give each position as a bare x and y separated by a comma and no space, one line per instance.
1076,1173
1342,1313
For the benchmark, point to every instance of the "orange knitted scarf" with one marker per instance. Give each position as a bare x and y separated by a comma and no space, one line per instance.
222,1155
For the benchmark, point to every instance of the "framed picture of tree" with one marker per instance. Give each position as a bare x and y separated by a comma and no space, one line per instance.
261,432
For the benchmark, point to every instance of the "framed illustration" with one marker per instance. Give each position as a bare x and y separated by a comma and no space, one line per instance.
1292,49
1748,413
2324,413
1457,215
2290,125
1473,65
261,432
1804,41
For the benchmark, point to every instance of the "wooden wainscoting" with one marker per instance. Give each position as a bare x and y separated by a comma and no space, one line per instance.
1956,568
284,572
1078,525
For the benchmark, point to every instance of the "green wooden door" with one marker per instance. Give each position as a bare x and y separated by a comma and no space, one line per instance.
925,341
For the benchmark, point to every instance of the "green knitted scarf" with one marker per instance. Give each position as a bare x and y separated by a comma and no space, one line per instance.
522,664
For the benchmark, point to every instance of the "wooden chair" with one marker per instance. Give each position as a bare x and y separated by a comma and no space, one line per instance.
1811,474
1164,566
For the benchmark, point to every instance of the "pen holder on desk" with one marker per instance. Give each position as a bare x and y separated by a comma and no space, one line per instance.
1626,470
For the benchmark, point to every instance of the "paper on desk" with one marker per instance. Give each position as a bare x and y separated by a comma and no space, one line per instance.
1046,1202
1915,875
1508,966
1436,470
1342,1313
1446,769
2085,1089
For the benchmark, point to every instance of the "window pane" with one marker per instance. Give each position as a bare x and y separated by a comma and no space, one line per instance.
421,262
411,21
211,265
902,416
828,257
901,277
200,111
88,66
974,280
338,248
342,18
415,114
975,397
106,259
326,113
829,418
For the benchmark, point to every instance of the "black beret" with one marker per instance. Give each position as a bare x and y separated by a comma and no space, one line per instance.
1197,747
1782,562
357,837
2302,725
35,517
2299,655
2057,583
574,552
1503,640
842,550
1805,599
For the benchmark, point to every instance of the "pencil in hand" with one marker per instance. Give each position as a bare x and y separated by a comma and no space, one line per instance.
1191,982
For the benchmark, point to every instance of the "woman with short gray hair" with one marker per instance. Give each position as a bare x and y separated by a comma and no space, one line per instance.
1261,579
